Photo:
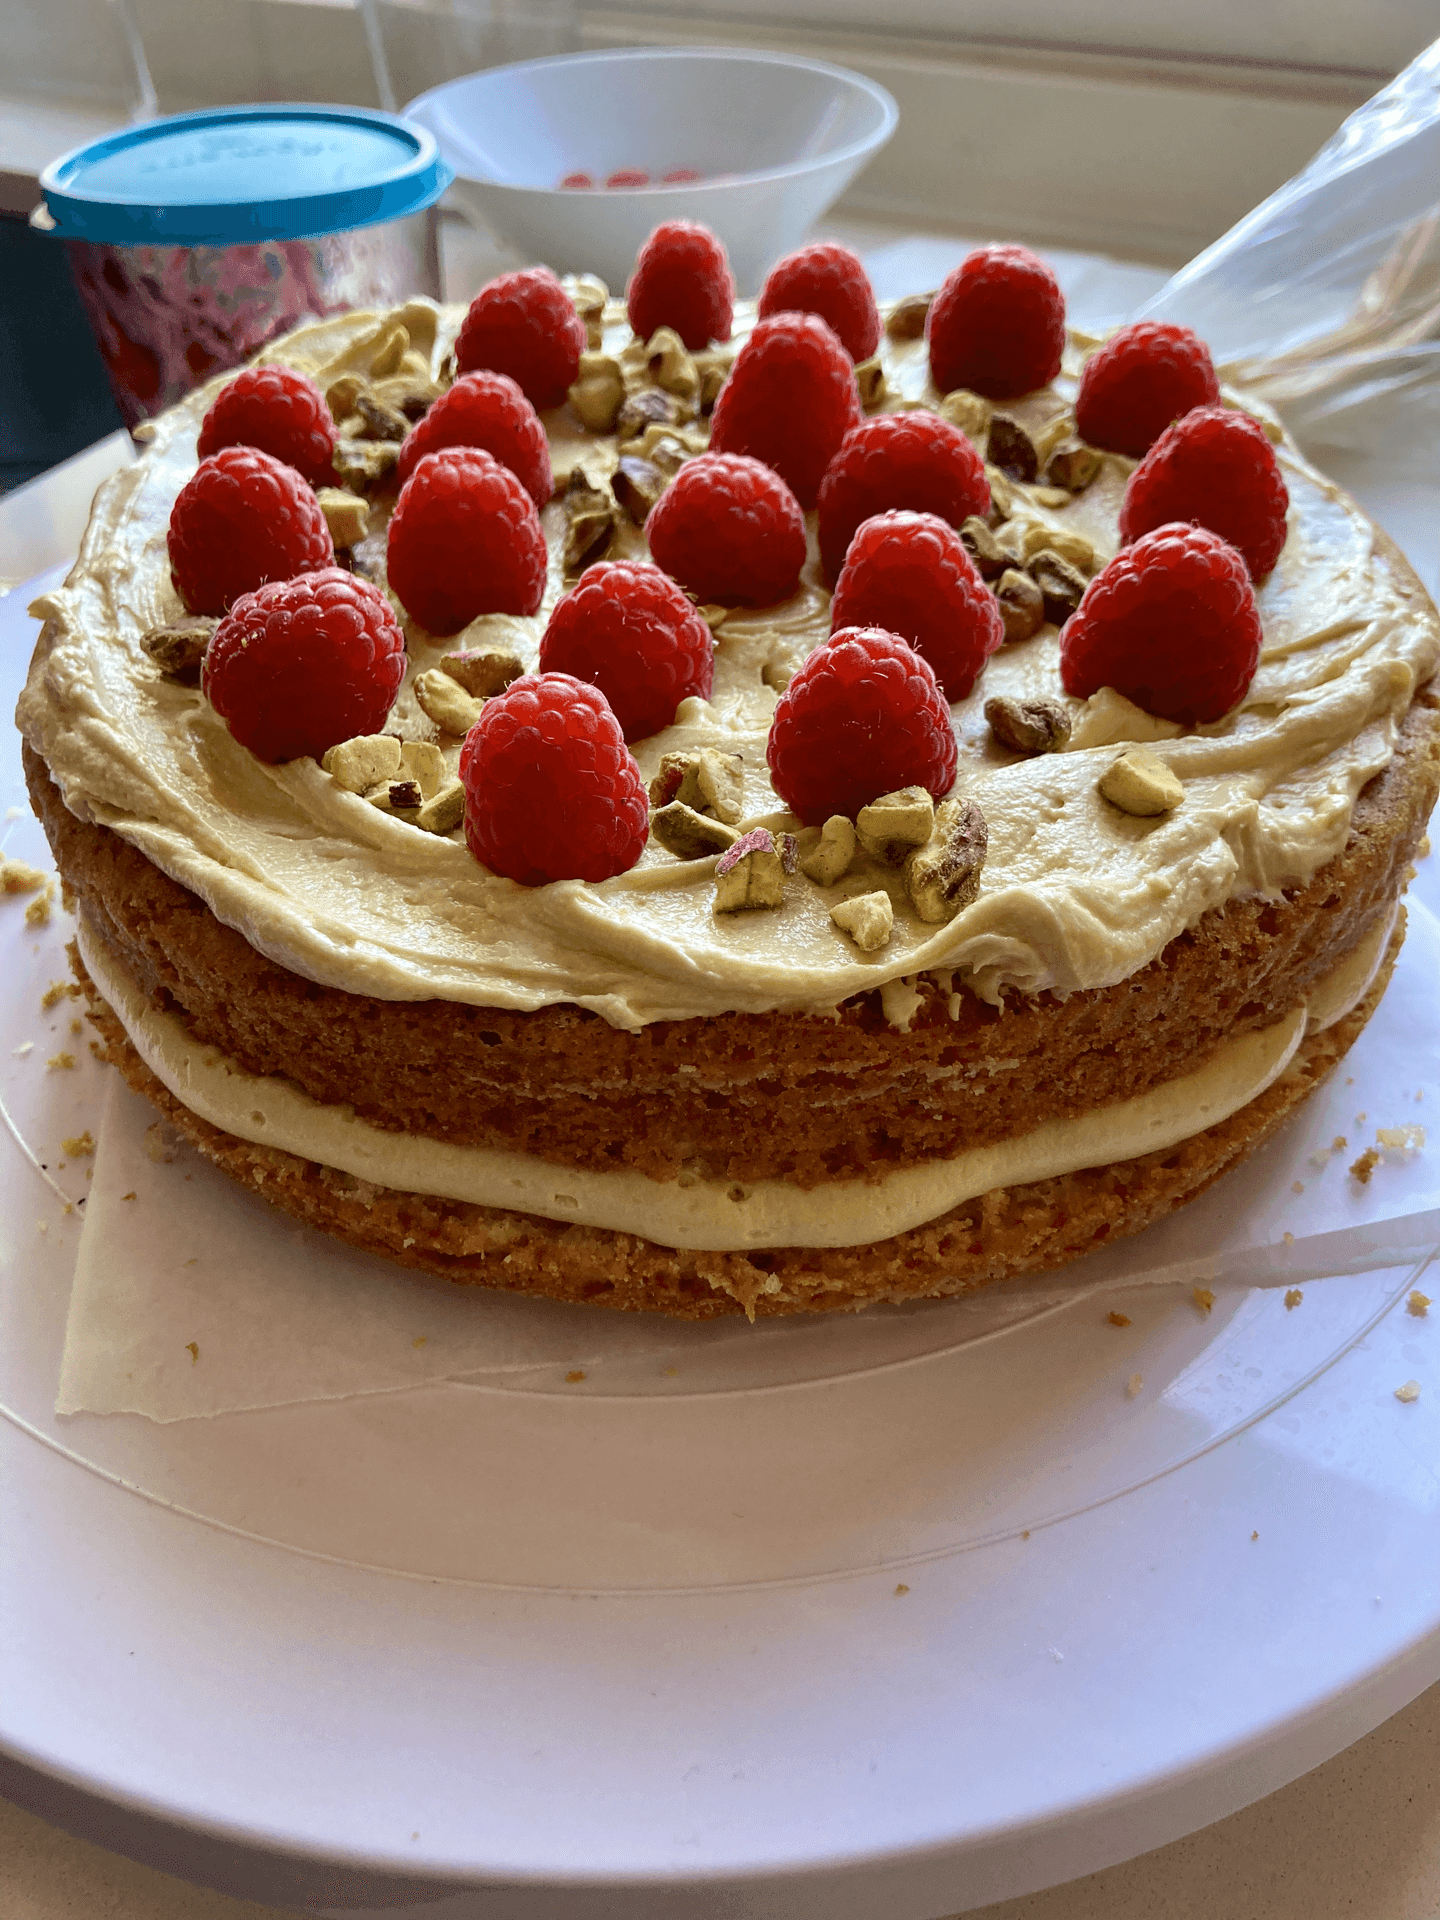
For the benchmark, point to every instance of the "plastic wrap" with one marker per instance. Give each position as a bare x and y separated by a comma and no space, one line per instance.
1325,300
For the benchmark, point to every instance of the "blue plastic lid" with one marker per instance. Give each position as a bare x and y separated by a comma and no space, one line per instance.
234,174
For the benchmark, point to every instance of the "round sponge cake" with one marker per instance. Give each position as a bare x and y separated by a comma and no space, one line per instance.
632,1039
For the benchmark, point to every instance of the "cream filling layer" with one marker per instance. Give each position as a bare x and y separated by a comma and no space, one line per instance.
710,1215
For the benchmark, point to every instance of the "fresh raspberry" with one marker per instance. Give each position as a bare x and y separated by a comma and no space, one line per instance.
1171,623
1141,379
630,631
912,460
464,540
1216,467
830,280
997,325
281,412
551,790
242,518
790,400
524,324
910,574
863,716
301,664
485,410
730,530
682,280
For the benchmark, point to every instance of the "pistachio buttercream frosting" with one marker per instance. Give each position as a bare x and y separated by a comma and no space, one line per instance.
1076,892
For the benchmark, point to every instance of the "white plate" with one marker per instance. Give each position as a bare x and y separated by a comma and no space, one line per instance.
896,1640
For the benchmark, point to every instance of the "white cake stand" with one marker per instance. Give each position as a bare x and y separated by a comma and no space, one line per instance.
900,1639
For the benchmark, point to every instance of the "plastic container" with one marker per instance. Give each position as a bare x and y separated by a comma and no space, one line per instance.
775,140
197,238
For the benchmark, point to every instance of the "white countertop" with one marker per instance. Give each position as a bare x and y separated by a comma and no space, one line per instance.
1358,1837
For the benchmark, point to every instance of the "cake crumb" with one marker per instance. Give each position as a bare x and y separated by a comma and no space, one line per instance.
37,914
575,1373
1288,1238
1339,1143
1409,1393
1362,1168
1407,1139
1297,1186
127,1196
1418,1304
1133,1385
16,877
1118,1319
192,1347
1360,1119
1293,1297
78,1145
26,1046
420,1340
59,1062
1203,1298
1026,1534
1254,1536
77,1026
669,1373
156,1149
57,991
902,1588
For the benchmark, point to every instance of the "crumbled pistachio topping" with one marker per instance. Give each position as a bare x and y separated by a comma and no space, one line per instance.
1141,783
829,861
868,918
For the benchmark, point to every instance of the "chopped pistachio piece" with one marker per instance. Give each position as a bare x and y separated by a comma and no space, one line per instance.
482,671
1022,604
347,515
446,702
895,823
396,796
869,919
360,463
1073,465
668,362
444,810
1028,726
637,484
1142,784
718,776
599,391
944,876
870,379
979,541
690,835
830,861
1011,449
424,763
968,411
179,648
1062,586
750,874
906,319
361,763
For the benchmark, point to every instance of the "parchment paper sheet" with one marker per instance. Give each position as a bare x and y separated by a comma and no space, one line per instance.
194,1298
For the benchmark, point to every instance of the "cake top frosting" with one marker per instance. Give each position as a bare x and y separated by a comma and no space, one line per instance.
1075,894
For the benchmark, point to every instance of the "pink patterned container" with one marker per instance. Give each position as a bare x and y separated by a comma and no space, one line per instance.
273,215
